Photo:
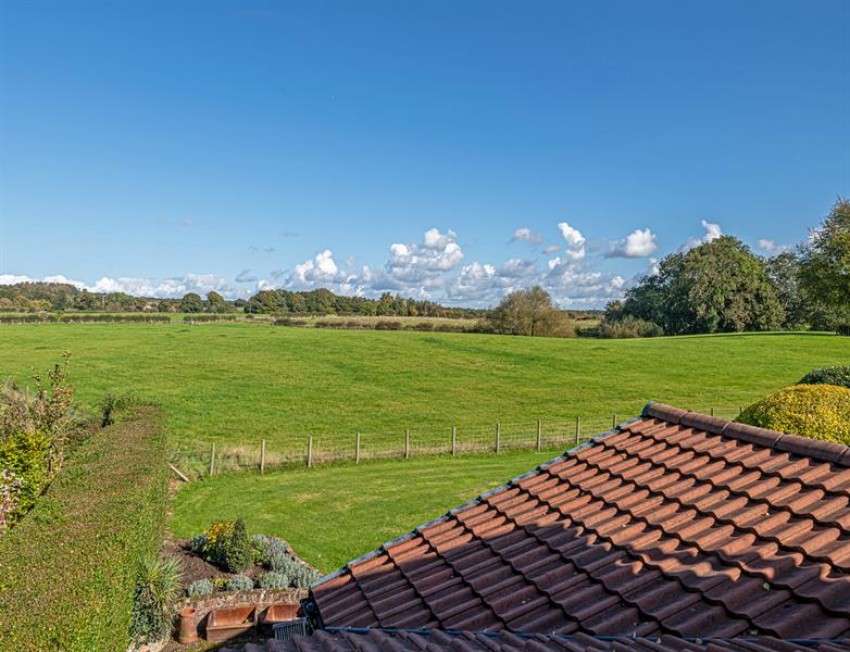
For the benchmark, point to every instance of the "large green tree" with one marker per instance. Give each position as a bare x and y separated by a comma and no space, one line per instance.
825,262
719,286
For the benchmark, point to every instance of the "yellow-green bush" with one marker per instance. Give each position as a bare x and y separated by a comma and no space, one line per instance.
816,411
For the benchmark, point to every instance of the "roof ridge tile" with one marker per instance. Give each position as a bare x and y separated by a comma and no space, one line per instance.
791,443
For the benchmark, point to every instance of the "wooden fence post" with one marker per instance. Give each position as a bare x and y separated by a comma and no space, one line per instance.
212,459
498,436
712,411
407,444
539,436
454,440
263,457
309,452
614,422
578,429
357,449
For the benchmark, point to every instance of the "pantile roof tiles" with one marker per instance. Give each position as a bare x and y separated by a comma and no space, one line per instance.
675,524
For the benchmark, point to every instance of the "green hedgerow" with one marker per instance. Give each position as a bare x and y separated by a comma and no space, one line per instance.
828,376
816,411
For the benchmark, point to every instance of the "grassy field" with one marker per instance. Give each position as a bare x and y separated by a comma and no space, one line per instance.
333,514
243,382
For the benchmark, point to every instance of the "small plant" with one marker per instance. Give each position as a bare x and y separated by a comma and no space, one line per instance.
157,586
236,549
200,589
239,583
828,376
197,544
302,576
270,552
273,580
217,536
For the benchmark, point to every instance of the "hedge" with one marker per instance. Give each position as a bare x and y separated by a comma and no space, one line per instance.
67,571
828,376
816,411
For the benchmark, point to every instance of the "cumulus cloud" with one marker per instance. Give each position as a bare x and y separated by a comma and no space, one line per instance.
420,266
312,273
638,244
770,247
551,249
527,235
712,232
575,249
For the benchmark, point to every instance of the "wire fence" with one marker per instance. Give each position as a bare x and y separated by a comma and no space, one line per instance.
313,450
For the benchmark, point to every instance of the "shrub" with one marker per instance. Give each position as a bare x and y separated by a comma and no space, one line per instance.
843,329
271,552
26,455
200,589
157,587
100,515
816,411
215,542
828,376
239,583
273,580
236,549
197,544
629,327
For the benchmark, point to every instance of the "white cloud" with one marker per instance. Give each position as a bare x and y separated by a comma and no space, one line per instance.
528,235
321,271
551,249
575,249
770,247
140,287
638,244
712,232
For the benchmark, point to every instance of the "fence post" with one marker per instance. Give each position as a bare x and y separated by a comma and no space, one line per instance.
357,449
614,422
263,457
578,429
309,451
539,433
498,436
407,444
454,440
712,411
212,459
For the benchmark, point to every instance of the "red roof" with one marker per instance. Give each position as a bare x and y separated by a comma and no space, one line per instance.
674,524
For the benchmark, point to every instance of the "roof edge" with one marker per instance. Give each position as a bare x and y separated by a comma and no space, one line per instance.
825,451
470,503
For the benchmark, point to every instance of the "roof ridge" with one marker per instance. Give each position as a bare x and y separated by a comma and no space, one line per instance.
825,451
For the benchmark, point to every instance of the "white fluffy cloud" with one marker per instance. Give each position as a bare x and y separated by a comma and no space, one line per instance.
527,235
575,249
712,232
770,247
638,244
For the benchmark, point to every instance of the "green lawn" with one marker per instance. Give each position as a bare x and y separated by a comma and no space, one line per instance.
244,382
333,514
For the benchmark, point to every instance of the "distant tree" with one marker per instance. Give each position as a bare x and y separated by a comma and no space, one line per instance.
719,286
216,302
825,263
784,272
191,302
530,312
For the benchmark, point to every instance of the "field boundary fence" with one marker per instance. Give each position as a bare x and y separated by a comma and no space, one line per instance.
541,435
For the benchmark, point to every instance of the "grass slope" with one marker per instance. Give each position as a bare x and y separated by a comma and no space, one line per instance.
244,382
333,514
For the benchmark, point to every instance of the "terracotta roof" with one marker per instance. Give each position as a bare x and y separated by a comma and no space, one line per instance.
673,524
369,640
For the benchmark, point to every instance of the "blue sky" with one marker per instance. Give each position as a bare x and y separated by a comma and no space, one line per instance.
451,150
